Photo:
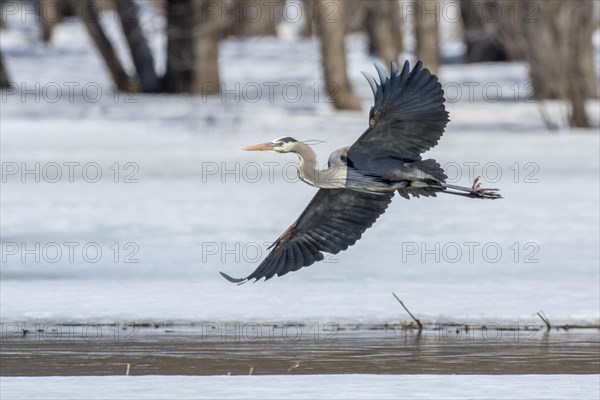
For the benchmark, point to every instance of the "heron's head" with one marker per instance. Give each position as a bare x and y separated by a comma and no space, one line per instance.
281,145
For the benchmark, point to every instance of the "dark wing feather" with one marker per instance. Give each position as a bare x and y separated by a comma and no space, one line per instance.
408,117
334,220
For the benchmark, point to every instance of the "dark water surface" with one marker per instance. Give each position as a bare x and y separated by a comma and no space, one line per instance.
240,350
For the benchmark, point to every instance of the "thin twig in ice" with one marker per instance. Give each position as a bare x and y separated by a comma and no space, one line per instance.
544,318
409,313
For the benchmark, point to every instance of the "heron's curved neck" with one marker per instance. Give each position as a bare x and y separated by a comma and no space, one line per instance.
307,168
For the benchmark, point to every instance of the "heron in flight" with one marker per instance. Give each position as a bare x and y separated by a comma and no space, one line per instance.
408,118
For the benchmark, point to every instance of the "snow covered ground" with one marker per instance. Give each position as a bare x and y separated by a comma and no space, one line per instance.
177,215
582,387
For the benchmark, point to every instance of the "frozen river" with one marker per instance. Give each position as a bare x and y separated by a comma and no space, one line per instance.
152,249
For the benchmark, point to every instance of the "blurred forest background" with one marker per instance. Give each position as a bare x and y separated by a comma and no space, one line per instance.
554,38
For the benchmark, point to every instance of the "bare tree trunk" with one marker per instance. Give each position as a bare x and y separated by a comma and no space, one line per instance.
50,11
4,79
180,46
566,72
588,23
138,46
481,36
580,77
578,116
331,22
354,14
2,17
308,13
383,29
395,18
89,14
205,78
427,33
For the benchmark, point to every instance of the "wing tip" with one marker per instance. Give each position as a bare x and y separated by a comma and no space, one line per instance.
381,72
394,69
239,281
371,81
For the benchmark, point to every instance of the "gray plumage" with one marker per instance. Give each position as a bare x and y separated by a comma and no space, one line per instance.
407,119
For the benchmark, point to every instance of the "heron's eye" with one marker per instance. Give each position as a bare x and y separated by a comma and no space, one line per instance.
280,144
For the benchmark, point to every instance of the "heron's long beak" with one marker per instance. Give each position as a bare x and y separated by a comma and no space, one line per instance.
260,147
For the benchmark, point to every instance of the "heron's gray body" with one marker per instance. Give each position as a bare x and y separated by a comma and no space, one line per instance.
407,119
406,177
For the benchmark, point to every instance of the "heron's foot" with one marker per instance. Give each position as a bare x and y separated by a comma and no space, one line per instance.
484,193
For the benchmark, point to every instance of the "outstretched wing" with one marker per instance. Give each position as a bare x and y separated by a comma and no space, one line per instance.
408,117
334,220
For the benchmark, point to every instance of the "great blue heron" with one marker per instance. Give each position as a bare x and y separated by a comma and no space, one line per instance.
408,118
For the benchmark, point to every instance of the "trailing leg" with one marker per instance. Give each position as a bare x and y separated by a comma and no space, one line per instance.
475,191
